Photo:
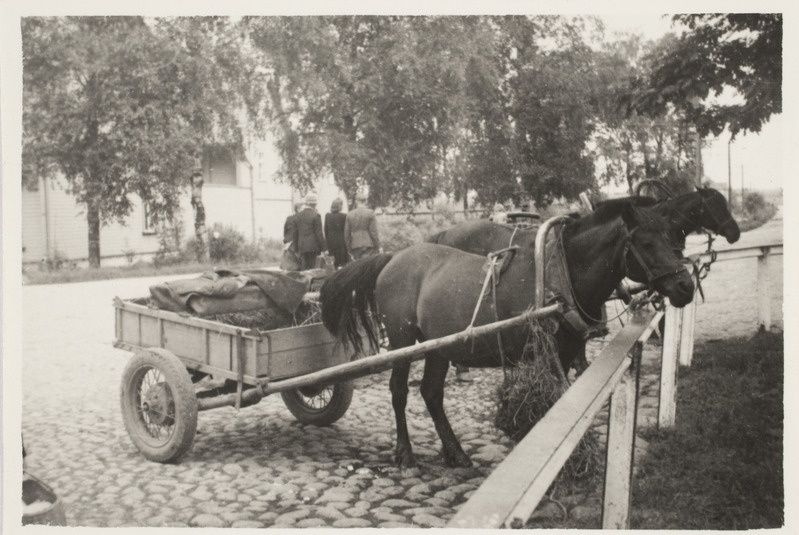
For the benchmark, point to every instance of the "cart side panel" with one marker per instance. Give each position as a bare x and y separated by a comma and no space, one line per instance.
138,329
301,350
149,331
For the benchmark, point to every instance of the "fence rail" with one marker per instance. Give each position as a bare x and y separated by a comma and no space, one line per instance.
512,492
514,489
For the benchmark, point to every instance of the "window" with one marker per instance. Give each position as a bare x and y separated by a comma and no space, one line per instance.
149,220
219,166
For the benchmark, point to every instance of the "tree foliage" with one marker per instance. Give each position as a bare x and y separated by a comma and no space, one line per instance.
123,106
629,146
414,105
741,51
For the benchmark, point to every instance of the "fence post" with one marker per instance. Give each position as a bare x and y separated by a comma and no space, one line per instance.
687,333
621,446
764,289
668,368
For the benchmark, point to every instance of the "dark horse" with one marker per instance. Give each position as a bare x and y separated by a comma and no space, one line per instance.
702,209
705,208
428,291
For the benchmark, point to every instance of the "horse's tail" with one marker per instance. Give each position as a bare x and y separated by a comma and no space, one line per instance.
349,295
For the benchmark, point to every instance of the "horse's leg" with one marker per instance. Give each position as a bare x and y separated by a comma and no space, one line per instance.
571,350
398,385
580,362
432,389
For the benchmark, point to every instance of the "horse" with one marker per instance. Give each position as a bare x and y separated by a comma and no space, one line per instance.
704,209
428,291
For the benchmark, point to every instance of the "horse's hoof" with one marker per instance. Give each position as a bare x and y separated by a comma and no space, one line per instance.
460,460
405,459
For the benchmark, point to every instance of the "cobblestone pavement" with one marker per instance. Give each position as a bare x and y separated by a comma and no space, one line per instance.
259,467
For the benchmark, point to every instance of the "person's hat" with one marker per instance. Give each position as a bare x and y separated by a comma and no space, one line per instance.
310,198
499,207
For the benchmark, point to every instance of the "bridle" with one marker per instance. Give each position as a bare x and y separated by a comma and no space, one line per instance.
704,208
629,247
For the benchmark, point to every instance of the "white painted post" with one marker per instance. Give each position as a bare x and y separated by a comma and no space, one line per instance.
668,368
764,289
687,333
621,447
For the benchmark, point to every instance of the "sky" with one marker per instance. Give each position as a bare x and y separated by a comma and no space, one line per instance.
755,158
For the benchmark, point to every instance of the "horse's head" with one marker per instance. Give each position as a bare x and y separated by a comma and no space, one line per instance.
714,214
648,256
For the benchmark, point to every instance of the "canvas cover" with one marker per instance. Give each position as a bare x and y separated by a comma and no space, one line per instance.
224,291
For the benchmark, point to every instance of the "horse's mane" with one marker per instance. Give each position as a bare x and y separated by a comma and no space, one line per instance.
607,211
621,202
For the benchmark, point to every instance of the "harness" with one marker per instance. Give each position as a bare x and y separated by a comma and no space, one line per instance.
492,274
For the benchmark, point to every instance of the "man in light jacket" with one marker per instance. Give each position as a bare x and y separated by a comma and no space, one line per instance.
360,230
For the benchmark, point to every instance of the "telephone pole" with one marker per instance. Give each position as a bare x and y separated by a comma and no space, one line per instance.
729,173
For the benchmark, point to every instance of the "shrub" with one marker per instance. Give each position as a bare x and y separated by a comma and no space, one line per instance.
753,202
170,251
225,243
397,234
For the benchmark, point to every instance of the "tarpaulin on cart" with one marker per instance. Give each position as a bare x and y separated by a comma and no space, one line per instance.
222,291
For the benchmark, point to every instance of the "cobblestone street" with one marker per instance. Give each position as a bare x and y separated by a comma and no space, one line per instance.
259,467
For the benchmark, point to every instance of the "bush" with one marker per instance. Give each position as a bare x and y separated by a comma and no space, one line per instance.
753,202
397,234
226,245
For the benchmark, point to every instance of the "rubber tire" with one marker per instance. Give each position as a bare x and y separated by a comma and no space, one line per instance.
177,378
330,413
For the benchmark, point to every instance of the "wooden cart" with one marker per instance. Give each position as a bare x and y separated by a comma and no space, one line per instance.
166,383
185,364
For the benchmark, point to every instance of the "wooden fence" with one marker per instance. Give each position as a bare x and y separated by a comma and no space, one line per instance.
512,492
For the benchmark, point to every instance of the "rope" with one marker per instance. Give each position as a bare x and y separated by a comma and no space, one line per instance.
490,276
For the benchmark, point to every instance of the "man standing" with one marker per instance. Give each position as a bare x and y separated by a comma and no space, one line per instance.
291,260
334,233
308,235
360,230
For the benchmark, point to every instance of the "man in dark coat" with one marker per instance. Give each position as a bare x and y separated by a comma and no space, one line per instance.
291,259
334,233
309,238
290,228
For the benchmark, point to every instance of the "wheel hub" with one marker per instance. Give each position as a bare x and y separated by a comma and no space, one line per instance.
159,405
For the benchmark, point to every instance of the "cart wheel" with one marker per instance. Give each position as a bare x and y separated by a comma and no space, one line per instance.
319,405
159,407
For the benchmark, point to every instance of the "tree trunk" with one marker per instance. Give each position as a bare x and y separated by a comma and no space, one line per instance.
93,219
199,217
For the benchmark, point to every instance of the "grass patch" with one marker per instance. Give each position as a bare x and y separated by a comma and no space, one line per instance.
63,276
721,467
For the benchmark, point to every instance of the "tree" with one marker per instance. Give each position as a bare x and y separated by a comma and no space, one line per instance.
415,105
122,105
372,100
533,105
717,52
630,146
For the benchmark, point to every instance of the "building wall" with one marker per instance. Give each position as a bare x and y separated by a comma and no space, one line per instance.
257,206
